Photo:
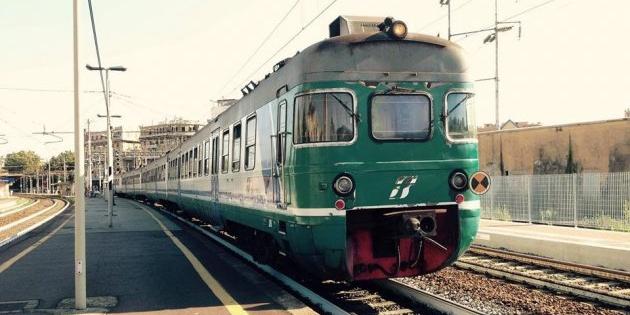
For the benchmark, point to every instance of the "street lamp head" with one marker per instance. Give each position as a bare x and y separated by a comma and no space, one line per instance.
490,38
93,68
117,68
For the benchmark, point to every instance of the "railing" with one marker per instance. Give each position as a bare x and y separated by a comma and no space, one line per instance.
593,200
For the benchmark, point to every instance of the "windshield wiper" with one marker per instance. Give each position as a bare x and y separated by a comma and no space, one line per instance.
457,105
346,107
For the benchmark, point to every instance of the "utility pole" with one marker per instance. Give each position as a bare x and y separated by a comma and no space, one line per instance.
447,3
496,65
89,156
80,264
65,176
110,153
492,37
48,179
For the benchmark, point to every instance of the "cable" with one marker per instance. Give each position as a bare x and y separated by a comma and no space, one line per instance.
98,54
45,90
289,41
515,15
445,15
529,9
264,41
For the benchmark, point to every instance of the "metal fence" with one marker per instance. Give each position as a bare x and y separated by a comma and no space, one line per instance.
593,200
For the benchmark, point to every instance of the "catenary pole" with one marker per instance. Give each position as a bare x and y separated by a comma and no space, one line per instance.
79,175
496,64
110,156
89,156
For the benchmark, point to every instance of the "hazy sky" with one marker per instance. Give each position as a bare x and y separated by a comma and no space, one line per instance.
571,63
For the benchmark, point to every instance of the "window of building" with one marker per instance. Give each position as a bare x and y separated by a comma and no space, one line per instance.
236,148
323,117
401,117
225,153
460,116
250,143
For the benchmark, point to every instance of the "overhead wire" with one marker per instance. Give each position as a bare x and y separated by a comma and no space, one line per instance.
98,53
22,89
532,8
289,41
444,15
529,10
262,43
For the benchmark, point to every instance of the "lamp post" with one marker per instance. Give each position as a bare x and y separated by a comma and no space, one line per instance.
492,37
110,154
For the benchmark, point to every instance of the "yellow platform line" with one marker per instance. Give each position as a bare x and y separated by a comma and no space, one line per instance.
29,249
228,301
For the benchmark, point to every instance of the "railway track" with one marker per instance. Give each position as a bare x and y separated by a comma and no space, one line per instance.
606,286
17,222
385,297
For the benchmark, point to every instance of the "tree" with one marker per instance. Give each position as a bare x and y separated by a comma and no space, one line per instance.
57,162
27,162
572,166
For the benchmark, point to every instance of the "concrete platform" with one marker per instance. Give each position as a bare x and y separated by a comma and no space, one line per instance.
8,203
146,263
585,246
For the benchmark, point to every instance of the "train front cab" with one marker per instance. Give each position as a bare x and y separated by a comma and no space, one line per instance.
396,162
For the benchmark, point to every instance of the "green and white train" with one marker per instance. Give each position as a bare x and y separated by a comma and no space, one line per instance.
356,158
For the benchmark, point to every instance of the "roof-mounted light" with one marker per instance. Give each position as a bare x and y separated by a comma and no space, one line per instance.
394,28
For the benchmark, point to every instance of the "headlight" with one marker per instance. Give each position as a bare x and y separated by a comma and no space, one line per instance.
398,29
458,180
393,27
343,185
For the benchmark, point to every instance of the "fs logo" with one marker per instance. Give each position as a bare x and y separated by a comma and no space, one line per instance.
402,185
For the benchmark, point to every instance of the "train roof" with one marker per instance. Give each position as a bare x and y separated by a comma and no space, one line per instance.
375,57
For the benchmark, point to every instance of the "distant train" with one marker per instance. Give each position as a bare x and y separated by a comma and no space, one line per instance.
356,158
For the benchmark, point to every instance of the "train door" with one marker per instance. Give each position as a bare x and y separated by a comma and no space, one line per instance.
279,153
214,169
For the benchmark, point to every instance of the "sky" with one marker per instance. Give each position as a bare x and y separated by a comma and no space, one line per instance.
570,64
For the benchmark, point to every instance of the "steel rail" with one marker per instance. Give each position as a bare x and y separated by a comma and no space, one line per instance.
34,226
600,272
429,299
29,217
294,286
18,207
547,283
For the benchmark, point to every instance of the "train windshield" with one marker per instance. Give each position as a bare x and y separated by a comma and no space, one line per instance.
323,117
401,117
460,116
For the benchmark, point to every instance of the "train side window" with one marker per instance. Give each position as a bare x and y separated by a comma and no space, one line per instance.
206,156
225,153
190,163
323,117
250,144
194,162
282,132
215,155
185,165
236,148
200,161
460,117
